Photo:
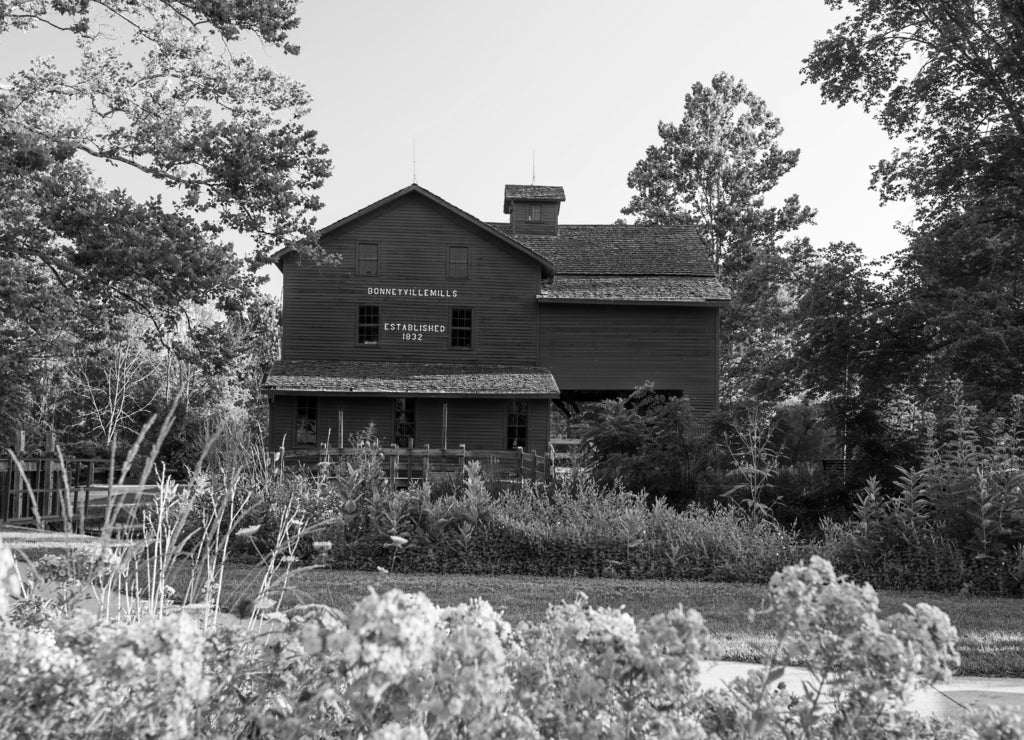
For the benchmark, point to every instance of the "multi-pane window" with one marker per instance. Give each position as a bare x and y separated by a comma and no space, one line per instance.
518,424
534,214
368,325
305,421
458,262
405,421
462,327
367,259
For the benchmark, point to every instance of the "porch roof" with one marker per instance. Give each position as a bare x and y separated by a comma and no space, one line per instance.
410,379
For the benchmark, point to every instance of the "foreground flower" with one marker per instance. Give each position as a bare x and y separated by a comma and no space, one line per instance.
10,580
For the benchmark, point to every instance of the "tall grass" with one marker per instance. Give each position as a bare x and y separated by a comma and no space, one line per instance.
163,544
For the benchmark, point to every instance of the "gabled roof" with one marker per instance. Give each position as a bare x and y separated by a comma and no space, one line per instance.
411,379
532,192
546,266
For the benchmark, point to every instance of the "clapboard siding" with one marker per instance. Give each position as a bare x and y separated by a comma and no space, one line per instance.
282,422
521,213
475,423
596,347
413,234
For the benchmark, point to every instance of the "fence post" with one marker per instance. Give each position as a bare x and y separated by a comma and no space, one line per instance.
519,461
50,494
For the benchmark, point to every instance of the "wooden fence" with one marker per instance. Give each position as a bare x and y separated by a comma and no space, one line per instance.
404,466
43,491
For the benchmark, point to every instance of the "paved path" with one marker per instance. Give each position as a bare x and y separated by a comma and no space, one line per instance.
41,541
956,697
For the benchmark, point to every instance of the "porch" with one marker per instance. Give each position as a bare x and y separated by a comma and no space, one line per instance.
405,466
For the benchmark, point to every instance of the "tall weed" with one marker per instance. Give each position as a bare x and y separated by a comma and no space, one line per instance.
957,522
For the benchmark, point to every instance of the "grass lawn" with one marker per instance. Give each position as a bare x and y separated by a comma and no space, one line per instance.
991,629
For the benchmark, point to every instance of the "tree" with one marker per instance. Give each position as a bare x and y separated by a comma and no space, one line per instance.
945,77
836,333
221,132
160,87
713,170
116,385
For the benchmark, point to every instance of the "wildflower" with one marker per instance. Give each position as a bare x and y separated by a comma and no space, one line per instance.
323,546
10,581
248,531
381,569
400,541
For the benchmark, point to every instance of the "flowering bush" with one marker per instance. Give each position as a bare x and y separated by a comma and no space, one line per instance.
398,666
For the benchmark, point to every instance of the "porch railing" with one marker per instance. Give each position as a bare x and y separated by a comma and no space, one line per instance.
404,466
47,490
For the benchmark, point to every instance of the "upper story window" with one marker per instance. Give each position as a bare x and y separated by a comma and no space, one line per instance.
462,327
368,325
367,258
458,262
534,214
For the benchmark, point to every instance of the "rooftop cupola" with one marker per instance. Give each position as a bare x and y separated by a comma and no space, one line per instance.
533,209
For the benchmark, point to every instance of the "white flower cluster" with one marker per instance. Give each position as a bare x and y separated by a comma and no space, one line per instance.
399,667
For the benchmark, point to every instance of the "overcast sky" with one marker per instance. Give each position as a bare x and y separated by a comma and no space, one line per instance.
483,87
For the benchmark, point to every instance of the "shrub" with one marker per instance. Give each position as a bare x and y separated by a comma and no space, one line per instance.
651,443
775,469
804,494
957,520
577,530
398,666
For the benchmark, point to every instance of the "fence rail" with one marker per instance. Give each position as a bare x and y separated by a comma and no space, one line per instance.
47,492
405,466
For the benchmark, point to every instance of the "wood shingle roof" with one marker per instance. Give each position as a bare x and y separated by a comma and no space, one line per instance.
533,192
626,264
411,379
661,289
621,250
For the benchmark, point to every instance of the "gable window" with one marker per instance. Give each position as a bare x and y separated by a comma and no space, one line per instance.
534,215
405,421
368,325
517,428
462,327
458,262
367,259
305,421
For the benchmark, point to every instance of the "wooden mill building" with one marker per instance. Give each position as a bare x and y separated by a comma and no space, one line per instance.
444,330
